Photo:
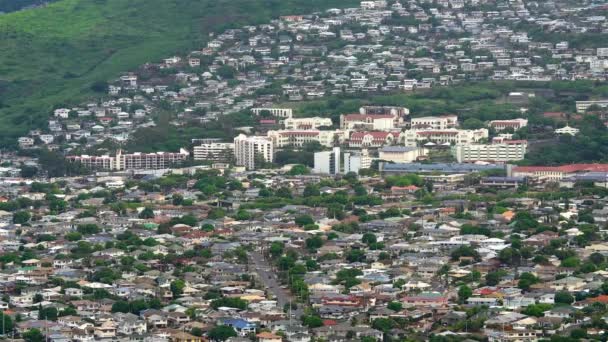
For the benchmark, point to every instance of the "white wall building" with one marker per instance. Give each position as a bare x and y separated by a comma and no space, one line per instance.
506,151
25,142
581,106
451,136
500,125
400,154
62,113
278,112
385,110
299,138
353,162
307,123
327,162
567,130
132,161
435,122
367,122
247,149
215,152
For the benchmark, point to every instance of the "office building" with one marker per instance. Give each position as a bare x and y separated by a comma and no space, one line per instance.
512,150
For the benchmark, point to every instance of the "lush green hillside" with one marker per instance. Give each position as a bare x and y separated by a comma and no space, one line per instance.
52,55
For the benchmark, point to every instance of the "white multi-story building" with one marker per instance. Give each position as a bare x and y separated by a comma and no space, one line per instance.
507,151
278,112
400,154
447,136
307,123
435,122
248,149
299,138
371,5
132,161
602,52
371,139
384,110
62,113
105,162
25,142
327,162
501,125
581,106
353,162
368,122
149,161
215,152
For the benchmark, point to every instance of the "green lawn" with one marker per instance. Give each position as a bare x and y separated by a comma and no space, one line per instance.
50,56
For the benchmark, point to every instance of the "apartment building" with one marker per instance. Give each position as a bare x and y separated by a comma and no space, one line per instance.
507,151
217,152
149,161
105,162
132,161
248,151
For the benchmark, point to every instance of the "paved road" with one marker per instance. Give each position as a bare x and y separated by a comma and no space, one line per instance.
270,279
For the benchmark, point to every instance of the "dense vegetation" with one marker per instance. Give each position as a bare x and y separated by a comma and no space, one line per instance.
55,54
590,145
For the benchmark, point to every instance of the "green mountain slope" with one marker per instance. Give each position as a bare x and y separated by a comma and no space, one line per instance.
52,55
